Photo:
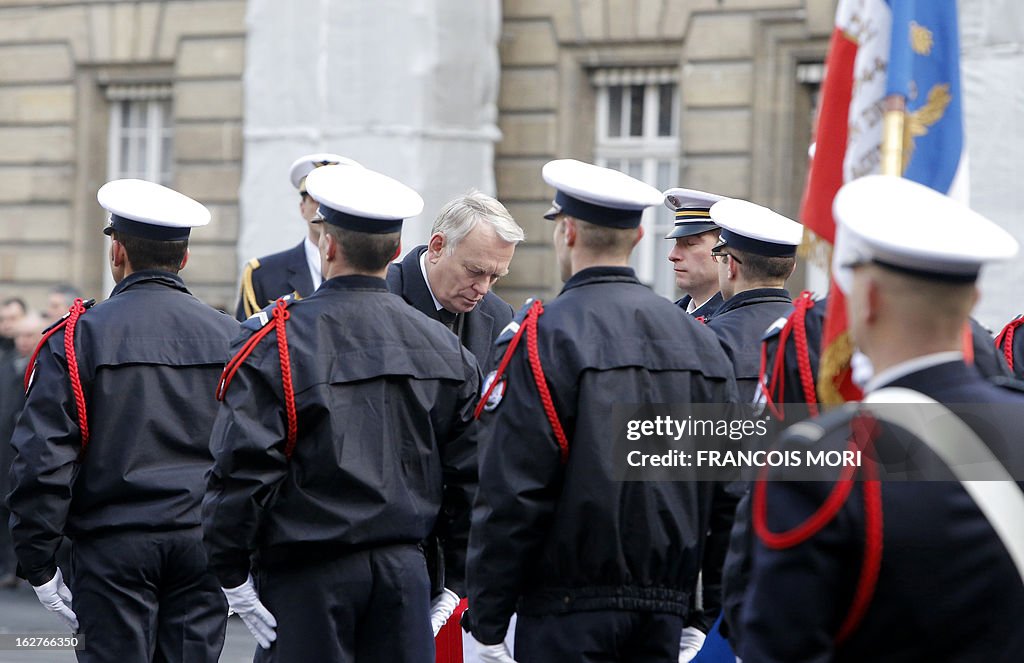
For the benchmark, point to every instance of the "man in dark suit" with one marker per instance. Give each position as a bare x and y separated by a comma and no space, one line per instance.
875,566
295,271
450,278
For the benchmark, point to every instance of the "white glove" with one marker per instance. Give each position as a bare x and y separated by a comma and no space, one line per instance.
244,601
690,642
56,597
441,608
492,653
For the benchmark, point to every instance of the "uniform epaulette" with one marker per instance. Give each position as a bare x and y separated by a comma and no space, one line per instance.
262,318
69,321
774,329
512,328
279,315
248,290
1004,341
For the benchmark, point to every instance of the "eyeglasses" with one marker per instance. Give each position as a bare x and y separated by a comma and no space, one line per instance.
720,256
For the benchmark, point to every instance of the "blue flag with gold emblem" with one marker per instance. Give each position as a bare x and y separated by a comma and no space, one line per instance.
924,69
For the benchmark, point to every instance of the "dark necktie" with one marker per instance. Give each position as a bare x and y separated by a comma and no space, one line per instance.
447,318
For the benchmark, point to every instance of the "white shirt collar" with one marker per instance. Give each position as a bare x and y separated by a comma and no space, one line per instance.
423,269
693,305
313,261
914,365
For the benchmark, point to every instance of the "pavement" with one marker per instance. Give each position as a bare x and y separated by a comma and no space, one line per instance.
21,613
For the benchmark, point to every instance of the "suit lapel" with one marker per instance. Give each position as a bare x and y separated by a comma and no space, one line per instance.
414,288
479,333
299,279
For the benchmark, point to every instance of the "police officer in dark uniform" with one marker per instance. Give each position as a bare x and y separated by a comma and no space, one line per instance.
756,253
113,445
694,235
450,278
899,570
600,569
296,271
342,441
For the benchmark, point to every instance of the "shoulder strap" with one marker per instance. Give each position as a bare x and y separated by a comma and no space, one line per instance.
999,498
68,322
279,315
1004,341
529,327
772,385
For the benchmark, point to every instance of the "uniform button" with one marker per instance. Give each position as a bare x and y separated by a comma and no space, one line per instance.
566,600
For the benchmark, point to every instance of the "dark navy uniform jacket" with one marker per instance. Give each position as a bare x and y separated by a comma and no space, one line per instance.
149,359
384,398
705,310
740,323
267,278
480,326
556,538
947,589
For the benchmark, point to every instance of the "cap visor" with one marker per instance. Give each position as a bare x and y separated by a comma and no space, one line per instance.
552,213
687,229
108,230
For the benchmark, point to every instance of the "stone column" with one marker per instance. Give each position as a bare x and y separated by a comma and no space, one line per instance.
405,87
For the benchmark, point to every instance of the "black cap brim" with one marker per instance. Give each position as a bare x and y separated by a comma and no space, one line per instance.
688,229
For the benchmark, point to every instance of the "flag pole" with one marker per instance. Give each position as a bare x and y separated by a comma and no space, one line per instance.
893,134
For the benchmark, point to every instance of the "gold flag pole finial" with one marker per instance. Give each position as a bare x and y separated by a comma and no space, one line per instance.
893,134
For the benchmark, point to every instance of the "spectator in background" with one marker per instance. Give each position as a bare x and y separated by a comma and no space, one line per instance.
12,309
25,333
59,300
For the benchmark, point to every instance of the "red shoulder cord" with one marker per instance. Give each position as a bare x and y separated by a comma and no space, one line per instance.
865,430
280,315
529,326
68,324
1005,339
797,326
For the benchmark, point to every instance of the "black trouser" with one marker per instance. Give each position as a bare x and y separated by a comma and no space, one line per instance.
147,596
372,605
599,636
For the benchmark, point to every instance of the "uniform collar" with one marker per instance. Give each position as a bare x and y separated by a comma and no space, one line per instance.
755,296
149,276
901,370
592,275
355,282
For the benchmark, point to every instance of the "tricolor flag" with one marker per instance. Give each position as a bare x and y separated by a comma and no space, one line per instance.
900,56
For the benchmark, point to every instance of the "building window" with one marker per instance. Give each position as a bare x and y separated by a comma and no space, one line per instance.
637,133
141,133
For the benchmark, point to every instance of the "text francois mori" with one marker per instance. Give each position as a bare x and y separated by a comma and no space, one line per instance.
735,429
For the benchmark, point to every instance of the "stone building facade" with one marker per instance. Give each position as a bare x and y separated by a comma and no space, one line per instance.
83,87
708,94
740,78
